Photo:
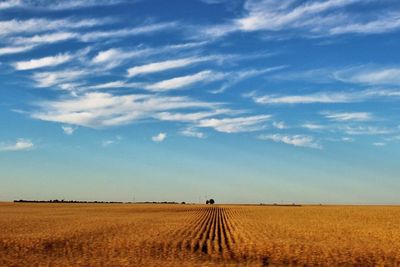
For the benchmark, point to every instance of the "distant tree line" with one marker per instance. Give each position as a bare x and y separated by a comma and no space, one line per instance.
210,201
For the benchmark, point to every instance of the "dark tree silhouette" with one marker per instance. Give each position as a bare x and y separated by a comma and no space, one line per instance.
207,202
211,201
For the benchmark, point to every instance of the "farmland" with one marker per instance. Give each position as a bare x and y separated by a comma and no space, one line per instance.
212,235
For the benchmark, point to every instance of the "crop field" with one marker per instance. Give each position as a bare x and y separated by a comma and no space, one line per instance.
198,235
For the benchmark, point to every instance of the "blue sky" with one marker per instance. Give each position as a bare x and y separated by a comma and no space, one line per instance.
245,101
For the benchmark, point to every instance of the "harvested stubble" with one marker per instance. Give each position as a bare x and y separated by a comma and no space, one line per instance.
186,235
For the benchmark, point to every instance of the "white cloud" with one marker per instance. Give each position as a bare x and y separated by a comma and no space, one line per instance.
159,137
19,145
313,126
347,139
324,97
113,57
306,99
56,5
53,78
238,76
370,75
113,141
73,4
53,31
144,29
165,65
273,15
279,125
308,18
235,125
43,62
115,84
32,26
386,23
348,116
106,143
15,49
379,144
68,130
185,81
48,38
191,116
100,110
9,4
366,130
213,2
294,140
192,132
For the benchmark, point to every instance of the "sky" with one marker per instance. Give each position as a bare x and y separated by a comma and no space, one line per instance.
243,101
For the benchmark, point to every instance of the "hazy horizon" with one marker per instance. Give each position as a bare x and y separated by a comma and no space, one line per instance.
242,101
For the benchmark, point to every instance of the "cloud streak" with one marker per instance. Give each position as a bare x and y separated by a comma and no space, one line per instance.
310,18
165,65
19,145
43,62
159,137
102,110
236,125
206,76
348,116
294,140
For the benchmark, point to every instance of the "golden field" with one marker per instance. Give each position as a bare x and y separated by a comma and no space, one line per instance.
198,235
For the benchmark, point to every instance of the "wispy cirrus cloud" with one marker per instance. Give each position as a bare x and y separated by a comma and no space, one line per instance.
379,144
121,33
206,76
366,130
10,4
15,49
159,137
384,23
115,84
373,75
68,130
310,18
272,15
166,65
348,116
34,26
41,39
113,141
56,5
294,140
55,78
279,125
74,4
191,116
313,126
358,74
235,125
192,132
352,96
42,62
101,110
19,145
67,33
114,57
321,97
238,76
